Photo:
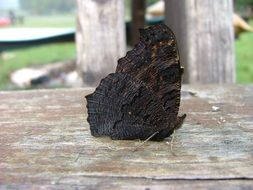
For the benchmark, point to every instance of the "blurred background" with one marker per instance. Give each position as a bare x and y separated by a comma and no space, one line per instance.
37,40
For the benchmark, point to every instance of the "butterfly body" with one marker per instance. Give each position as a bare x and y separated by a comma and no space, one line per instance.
143,96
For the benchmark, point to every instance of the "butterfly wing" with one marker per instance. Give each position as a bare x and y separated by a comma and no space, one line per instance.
155,62
123,108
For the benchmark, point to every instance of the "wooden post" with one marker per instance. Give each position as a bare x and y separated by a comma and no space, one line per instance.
205,35
100,38
138,19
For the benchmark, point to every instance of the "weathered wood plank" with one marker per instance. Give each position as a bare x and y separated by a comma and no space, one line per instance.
45,140
100,38
136,184
205,35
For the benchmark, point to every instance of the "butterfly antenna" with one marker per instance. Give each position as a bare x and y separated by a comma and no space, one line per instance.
141,144
171,142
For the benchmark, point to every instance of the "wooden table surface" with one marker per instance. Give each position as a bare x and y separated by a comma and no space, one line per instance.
45,143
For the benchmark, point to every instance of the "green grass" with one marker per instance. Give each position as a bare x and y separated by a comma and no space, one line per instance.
244,58
34,56
65,21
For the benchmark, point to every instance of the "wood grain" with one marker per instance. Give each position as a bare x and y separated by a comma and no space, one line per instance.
205,35
100,38
45,142
135,184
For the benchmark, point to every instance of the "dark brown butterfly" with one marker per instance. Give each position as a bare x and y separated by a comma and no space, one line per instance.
142,98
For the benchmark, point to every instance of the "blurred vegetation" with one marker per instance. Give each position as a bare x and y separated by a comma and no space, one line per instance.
244,57
244,7
58,6
48,6
62,21
243,2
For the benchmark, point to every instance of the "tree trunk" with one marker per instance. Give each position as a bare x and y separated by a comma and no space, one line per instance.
100,38
206,41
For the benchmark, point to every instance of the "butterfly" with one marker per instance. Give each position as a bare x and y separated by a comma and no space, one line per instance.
142,97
